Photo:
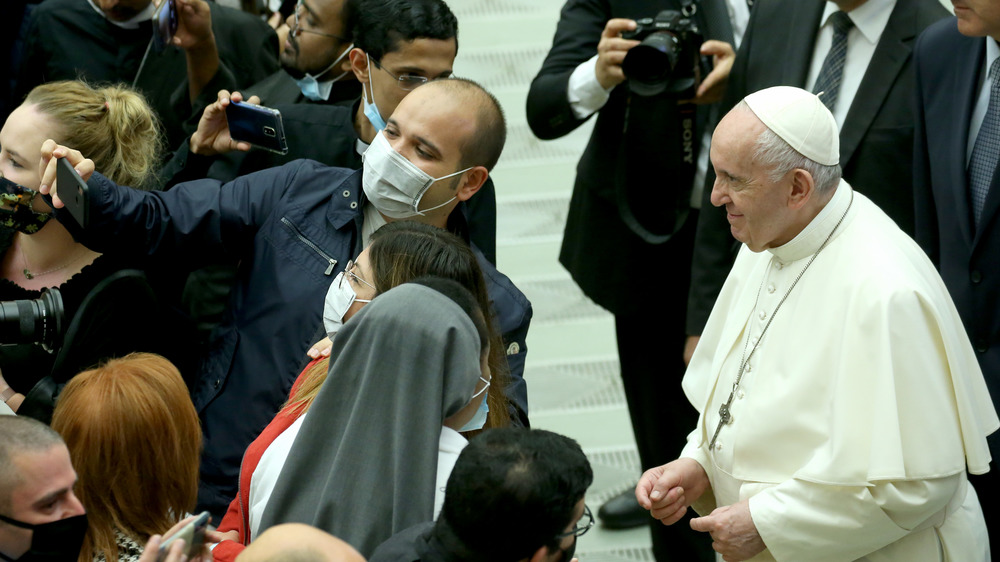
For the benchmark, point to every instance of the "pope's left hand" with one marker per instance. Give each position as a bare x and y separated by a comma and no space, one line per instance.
734,535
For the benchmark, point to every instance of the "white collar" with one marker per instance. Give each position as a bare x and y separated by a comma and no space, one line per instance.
451,441
133,23
815,233
870,18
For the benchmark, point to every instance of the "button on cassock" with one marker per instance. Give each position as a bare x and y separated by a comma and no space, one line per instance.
770,288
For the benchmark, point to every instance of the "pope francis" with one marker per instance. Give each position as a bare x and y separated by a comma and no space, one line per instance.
841,402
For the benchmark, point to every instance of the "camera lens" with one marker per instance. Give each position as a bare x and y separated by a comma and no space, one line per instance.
652,61
32,321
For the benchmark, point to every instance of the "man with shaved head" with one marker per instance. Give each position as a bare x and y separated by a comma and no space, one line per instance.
293,229
841,402
40,517
296,542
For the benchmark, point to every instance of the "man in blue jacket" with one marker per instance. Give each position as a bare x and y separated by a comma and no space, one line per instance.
293,228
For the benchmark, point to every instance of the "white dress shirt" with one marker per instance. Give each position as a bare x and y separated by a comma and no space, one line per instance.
983,101
869,20
586,95
265,476
450,445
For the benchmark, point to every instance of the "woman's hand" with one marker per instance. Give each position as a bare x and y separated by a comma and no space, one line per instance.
14,402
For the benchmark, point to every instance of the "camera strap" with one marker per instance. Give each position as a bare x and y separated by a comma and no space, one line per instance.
657,159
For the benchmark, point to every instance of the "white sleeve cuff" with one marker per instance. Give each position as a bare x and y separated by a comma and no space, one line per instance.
585,93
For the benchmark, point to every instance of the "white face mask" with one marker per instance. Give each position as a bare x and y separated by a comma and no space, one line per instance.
339,298
393,184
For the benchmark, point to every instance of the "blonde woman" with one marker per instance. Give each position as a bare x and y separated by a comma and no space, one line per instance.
120,131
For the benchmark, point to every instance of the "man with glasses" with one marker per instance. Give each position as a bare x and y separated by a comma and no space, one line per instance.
514,494
292,229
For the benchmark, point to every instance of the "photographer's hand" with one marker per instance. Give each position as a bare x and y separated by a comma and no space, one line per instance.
713,86
212,136
611,52
14,402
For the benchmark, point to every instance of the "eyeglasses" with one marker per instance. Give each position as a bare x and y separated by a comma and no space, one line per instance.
407,81
297,27
582,526
349,272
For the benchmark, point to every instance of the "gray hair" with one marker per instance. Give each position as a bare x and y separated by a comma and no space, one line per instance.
772,152
19,435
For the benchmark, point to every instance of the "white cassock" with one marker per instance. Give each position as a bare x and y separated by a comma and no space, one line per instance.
861,407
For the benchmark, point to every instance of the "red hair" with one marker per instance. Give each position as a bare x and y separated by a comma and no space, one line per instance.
134,439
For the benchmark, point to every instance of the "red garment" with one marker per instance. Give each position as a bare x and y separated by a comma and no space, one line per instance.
237,518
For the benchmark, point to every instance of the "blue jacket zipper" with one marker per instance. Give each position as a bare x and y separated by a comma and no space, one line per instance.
333,263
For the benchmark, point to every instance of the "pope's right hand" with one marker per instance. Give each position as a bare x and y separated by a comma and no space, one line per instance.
667,491
212,136
611,52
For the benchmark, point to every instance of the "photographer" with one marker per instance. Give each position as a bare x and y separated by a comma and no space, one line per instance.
630,216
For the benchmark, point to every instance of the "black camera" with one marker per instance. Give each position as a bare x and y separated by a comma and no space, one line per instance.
667,61
33,321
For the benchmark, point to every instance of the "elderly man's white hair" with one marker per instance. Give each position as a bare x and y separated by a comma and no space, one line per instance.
779,157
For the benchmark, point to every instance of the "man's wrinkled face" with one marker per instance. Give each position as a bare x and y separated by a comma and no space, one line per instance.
122,10
978,18
318,40
756,206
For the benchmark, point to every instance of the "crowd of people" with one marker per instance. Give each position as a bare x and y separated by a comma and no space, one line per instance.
213,351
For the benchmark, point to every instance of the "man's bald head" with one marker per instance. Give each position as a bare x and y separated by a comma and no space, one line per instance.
296,542
484,146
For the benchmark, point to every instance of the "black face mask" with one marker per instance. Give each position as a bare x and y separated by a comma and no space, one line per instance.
57,541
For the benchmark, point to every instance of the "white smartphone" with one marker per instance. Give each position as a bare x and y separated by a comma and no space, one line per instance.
193,534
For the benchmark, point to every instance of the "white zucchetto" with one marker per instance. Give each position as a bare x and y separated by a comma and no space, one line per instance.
800,119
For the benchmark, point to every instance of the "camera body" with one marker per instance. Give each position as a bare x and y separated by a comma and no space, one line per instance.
667,60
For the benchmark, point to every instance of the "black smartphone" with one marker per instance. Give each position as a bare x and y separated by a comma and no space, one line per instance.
164,24
73,192
193,534
258,125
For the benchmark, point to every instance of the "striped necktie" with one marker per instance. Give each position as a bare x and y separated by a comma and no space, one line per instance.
985,152
830,74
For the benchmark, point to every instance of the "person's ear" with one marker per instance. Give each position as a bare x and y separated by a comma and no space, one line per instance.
345,63
802,188
359,64
540,555
472,181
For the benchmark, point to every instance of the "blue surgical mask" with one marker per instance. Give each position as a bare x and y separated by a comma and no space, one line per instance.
371,110
478,420
311,87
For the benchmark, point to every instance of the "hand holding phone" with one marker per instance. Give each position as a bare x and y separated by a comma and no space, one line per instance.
193,535
258,125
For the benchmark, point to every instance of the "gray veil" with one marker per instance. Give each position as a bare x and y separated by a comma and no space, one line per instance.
363,465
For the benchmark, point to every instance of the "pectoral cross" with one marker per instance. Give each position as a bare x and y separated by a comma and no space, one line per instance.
724,419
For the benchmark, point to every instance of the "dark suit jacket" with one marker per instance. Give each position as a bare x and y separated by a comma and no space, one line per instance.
949,68
604,256
875,142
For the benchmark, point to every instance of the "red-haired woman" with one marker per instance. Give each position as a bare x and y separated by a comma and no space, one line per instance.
134,439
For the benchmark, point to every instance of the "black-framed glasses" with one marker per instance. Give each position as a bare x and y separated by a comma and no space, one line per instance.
349,272
297,27
407,81
582,526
